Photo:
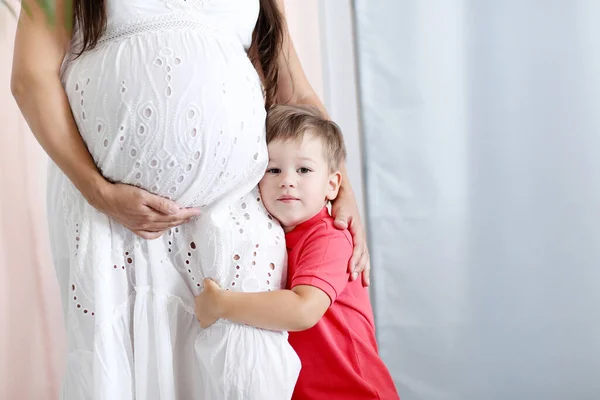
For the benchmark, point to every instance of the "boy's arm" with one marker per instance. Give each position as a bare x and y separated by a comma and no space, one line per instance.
281,310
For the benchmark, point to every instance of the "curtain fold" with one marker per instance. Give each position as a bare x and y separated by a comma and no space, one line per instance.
482,126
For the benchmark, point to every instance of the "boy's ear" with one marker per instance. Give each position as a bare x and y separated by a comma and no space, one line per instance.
333,185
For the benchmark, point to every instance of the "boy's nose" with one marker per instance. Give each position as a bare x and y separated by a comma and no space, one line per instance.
287,181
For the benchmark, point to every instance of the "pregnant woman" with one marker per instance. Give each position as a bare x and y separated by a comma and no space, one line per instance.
152,112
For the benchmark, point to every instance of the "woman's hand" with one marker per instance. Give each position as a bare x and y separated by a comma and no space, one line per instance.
345,212
144,213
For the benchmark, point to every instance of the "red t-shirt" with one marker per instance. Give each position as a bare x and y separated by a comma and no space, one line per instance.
339,354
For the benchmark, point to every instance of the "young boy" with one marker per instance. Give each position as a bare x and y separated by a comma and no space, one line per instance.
329,317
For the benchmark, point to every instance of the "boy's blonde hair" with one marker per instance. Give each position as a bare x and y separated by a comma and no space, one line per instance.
291,122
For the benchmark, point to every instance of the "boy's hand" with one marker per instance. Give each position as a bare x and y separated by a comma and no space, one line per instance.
208,306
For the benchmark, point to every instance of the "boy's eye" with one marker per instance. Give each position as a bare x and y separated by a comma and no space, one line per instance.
273,170
303,170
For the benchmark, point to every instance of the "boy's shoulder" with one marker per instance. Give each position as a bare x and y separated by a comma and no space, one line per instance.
325,229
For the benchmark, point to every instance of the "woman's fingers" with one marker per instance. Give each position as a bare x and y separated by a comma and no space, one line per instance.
360,245
366,272
361,260
160,204
163,226
159,222
360,263
155,217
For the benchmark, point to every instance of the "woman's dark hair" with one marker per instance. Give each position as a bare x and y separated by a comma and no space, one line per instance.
90,20
267,38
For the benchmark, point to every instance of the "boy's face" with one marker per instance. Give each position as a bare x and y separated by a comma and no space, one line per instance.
298,181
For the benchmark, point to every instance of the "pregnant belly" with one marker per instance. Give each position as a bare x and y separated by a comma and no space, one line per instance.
179,114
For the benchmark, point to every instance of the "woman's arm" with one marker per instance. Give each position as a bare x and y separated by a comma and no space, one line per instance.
40,47
280,310
293,88
39,50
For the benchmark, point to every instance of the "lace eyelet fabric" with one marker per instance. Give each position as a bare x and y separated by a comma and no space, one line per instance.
195,5
169,102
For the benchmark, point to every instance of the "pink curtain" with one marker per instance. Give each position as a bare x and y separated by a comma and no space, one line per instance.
31,328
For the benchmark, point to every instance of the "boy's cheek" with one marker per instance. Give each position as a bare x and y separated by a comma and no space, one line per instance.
261,186
265,186
265,194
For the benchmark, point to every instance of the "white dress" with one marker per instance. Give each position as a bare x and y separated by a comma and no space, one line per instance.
170,102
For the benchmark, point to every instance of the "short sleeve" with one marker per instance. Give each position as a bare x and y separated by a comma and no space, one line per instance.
323,262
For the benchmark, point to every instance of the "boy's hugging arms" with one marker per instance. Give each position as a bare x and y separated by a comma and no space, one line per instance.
319,276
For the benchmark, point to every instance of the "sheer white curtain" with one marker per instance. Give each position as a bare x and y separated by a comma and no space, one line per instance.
482,128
